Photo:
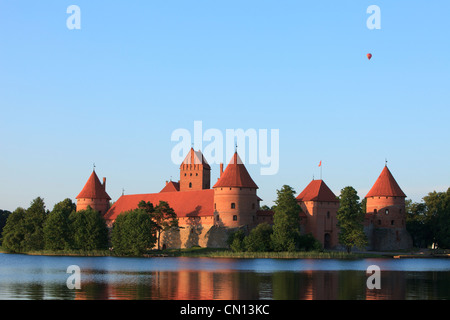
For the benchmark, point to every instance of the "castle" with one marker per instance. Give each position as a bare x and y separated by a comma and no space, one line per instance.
206,215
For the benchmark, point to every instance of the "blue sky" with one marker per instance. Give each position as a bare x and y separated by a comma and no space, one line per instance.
114,91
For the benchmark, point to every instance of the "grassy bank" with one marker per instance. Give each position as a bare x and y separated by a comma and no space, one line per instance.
197,252
225,253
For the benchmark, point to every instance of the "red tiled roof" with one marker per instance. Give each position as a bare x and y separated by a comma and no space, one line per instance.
185,203
386,186
93,189
265,213
171,187
196,157
236,175
317,190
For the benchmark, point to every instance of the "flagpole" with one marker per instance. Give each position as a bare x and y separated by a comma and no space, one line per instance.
320,165
320,171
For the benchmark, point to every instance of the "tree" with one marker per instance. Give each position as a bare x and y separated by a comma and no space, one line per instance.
162,215
57,226
89,230
14,231
4,214
23,231
236,240
350,220
438,207
419,224
286,227
34,224
259,239
133,233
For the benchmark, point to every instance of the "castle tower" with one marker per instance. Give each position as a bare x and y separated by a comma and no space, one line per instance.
195,172
320,205
386,214
94,195
235,199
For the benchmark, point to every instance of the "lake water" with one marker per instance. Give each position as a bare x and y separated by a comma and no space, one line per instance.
44,277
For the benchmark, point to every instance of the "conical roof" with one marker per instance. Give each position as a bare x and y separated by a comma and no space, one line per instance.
93,189
236,175
195,157
386,186
317,190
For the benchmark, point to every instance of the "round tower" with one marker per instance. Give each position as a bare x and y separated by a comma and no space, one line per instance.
235,199
386,202
386,214
94,195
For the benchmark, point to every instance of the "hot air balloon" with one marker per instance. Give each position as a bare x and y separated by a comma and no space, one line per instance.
369,56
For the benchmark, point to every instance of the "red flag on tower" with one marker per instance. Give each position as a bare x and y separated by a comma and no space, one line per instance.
320,163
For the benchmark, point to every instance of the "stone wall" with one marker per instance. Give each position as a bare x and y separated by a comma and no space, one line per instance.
210,236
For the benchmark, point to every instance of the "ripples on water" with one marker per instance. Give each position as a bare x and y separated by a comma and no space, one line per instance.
43,277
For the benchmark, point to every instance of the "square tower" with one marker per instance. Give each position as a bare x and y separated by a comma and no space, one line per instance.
195,172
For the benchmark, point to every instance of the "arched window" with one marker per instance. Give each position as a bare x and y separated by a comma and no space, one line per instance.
375,211
190,184
233,205
235,218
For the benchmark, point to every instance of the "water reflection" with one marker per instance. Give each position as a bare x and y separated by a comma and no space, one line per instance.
309,285
25,277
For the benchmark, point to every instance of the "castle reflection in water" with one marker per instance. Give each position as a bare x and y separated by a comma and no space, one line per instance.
306,285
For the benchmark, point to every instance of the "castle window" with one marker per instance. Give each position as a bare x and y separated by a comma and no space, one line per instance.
191,174
392,222
185,174
233,205
217,217
375,211
196,174
215,205
386,211
190,184
235,218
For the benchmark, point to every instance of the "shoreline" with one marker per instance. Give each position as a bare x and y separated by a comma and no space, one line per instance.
216,253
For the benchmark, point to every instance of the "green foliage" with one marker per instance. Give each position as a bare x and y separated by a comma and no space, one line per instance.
24,228
307,242
428,222
259,239
350,220
236,240
438,207
14,231
88,229
162,215
57,226
4,214
419,224
133,233
286,228
34,225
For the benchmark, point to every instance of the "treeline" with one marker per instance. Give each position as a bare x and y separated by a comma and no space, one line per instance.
428,221
64,229
36,229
